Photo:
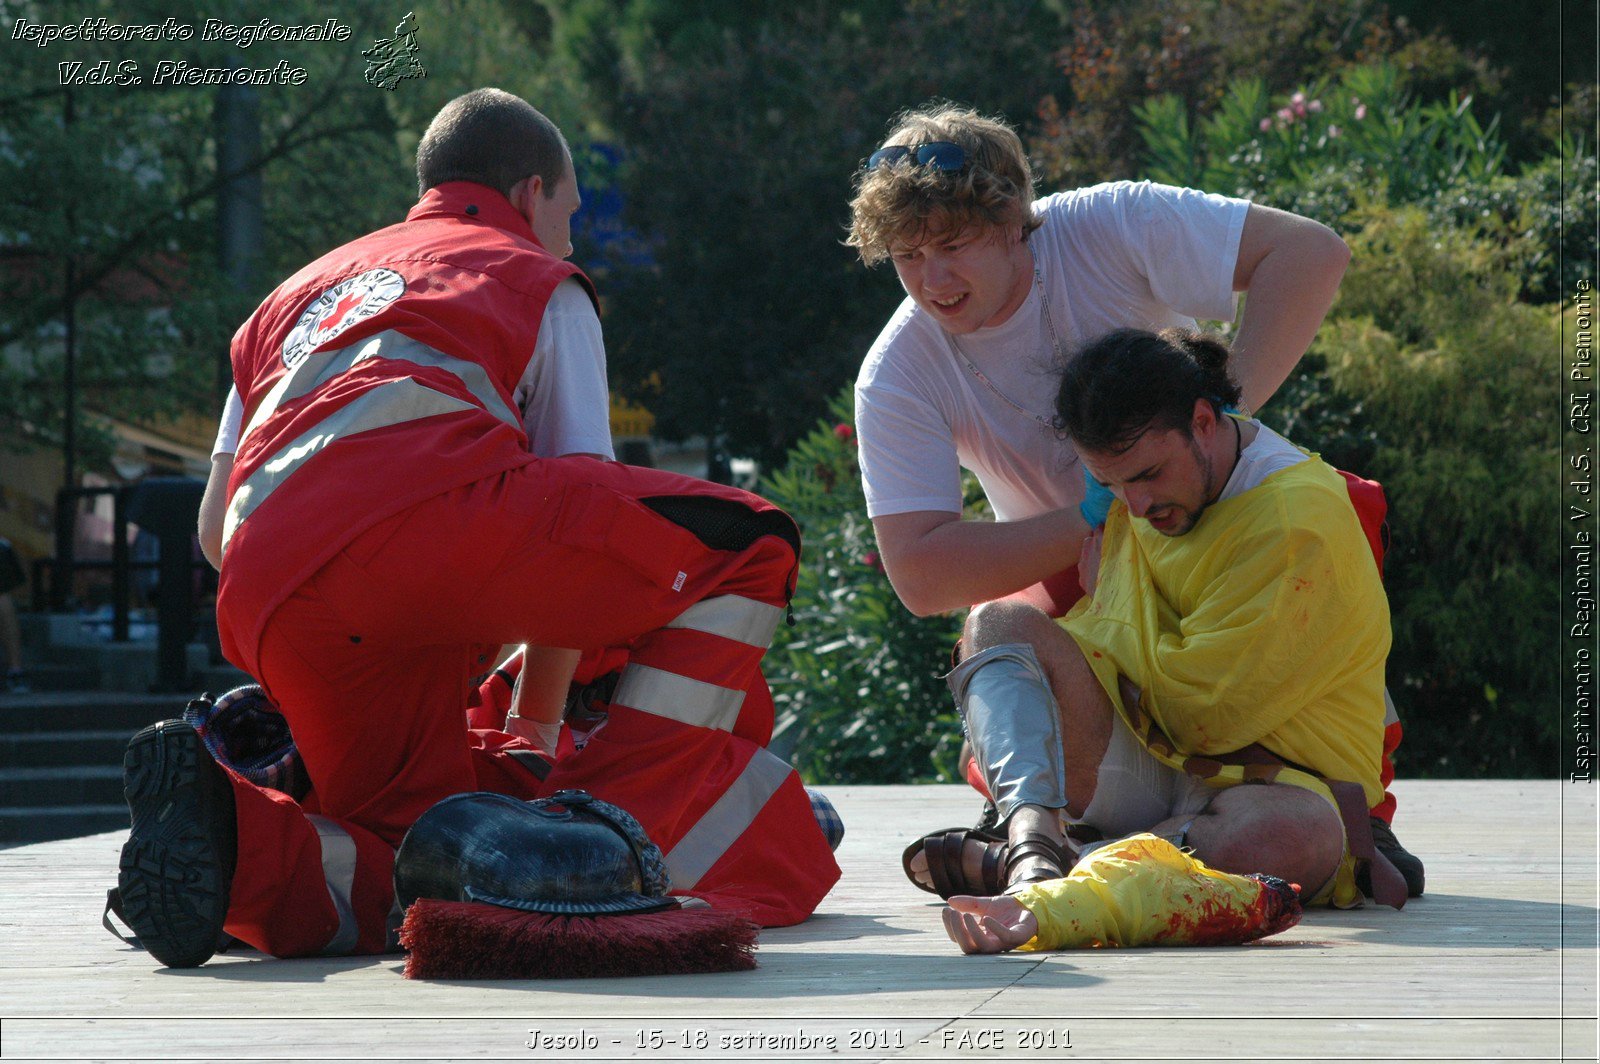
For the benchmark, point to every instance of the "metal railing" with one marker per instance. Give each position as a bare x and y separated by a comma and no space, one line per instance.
167,508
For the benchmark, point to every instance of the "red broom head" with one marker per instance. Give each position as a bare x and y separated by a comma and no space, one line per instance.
468,940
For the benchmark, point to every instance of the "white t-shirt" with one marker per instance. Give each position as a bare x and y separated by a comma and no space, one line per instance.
1261,457
565,403
1116,255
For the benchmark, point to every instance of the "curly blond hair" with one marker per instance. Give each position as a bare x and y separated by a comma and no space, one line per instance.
908,203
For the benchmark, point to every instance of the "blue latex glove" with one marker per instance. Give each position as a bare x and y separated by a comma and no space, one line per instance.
1096,502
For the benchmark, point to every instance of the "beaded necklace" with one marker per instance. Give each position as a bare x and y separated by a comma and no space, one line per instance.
1055,341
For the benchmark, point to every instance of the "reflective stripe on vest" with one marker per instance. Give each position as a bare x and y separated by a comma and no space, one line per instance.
322,367
733,617
722,825
394,403
390,404
679,698
339,869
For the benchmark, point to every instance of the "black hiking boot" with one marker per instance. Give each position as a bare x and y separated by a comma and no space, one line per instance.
177,865
1408,863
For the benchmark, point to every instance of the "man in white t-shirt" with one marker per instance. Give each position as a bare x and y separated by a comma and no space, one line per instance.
1001,290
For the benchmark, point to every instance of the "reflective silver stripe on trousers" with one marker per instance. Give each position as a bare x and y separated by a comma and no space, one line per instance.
725,821
733,617
322,367
389,404
679,698
339,869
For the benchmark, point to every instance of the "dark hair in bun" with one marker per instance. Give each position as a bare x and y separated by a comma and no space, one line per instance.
1132,381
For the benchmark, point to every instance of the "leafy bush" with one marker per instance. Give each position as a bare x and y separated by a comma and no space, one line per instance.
856,680
1313,151
1548,213
1335,146
1432,378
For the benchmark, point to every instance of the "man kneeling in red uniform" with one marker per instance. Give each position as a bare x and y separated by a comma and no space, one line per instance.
396,506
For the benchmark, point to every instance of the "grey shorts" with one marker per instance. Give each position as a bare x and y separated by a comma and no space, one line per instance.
1136,791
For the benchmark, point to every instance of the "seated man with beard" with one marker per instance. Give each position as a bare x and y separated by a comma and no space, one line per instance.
1234,632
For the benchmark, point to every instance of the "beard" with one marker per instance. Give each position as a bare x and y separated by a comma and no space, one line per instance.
1187,517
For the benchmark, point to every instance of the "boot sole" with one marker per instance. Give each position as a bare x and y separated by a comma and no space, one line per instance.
172,877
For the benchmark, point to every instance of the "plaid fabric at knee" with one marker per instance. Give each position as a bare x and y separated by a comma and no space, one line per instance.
828,818
244,732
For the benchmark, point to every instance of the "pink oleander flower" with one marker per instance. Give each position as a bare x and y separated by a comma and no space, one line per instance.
1333,132
1298,97
1361,111
1315,106
1285,115
1266,124
843,431
872,560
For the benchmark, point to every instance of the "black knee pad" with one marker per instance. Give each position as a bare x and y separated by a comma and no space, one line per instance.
723,524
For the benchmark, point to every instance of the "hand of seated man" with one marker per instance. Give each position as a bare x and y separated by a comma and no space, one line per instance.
1089,560
988,925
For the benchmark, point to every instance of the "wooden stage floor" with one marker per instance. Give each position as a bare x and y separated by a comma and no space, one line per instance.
1496,962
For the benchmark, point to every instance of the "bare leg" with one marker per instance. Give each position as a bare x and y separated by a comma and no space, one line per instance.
1086,711
1277,829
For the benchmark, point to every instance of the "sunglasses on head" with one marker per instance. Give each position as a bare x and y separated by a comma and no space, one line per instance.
937,155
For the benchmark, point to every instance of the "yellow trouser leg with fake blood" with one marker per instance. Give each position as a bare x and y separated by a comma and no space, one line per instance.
1143,891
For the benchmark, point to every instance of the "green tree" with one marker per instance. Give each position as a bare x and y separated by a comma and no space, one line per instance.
1549,41
742,126
1121,54
108,199
109,194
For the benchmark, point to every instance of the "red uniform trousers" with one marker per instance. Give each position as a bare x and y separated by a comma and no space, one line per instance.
370,661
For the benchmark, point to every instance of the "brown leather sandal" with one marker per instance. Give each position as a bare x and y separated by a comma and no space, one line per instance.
947,871
1057,858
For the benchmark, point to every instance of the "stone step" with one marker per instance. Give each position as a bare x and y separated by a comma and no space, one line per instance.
60,676
41,823
43,632
58,786
55,711
53,749
63,653
67,652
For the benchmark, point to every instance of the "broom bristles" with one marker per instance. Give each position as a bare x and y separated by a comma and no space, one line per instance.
468,940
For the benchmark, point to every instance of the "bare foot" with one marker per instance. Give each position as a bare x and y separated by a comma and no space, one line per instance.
988,925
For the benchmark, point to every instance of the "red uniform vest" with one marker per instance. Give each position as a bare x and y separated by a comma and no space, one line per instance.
380,375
